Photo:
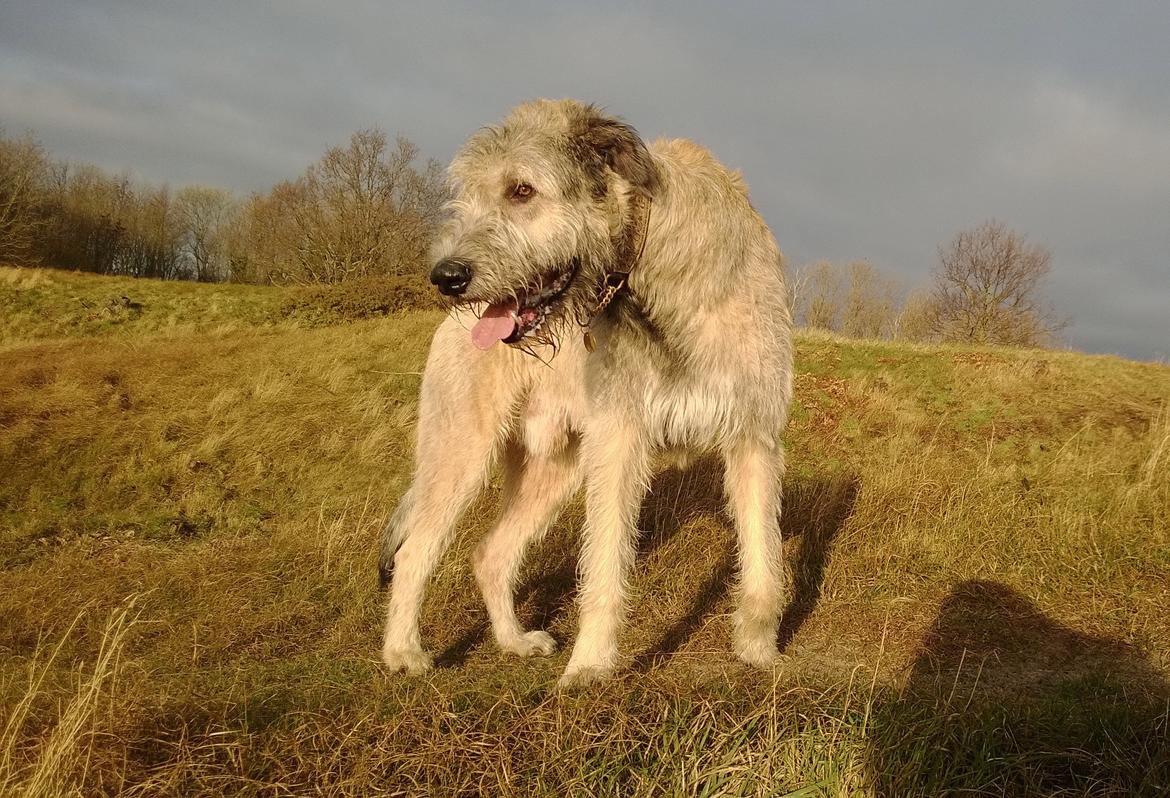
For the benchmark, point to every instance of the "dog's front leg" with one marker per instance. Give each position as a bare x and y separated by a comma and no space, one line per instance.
418,534
462,417
536,486
615,453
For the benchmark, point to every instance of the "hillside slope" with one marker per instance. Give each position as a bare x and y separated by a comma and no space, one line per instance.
978,540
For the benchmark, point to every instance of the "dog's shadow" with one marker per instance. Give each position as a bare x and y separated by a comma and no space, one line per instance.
1056,709
814,511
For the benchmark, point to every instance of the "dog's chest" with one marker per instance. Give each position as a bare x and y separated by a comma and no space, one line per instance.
694,403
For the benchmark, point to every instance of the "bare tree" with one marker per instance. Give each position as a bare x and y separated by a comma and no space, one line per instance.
870,302
24,170
88,211
271,237
207,216
797,285
156,233
362,209
97,222
987,289
822,286
915,319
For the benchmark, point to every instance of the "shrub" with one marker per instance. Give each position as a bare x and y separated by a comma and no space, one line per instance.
360,298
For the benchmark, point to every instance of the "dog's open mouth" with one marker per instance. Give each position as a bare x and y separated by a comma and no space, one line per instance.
513,319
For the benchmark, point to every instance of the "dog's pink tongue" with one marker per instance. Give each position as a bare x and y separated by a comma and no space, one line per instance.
496,324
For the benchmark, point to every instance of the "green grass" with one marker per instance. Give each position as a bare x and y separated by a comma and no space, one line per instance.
39,303
190,501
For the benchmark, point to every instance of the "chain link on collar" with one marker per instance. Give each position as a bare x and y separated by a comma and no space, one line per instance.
630,250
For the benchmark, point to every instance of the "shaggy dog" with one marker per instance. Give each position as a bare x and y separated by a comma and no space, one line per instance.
612,301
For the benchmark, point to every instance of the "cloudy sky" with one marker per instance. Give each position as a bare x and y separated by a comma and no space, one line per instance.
865,130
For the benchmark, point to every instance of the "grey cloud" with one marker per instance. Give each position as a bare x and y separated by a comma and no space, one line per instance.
864,130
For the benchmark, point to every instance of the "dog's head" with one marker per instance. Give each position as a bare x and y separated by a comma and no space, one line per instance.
538,212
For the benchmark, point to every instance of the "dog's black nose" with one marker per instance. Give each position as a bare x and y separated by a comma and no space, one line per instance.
451,276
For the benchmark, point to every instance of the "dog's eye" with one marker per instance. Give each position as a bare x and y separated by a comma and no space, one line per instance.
522,192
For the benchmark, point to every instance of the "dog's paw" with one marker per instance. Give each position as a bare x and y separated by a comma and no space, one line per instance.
574,679
412,661
760,652
531,644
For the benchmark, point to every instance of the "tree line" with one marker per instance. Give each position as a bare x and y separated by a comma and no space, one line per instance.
365,208
987,289
369,207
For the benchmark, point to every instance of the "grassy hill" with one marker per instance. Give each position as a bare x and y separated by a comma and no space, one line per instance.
192,484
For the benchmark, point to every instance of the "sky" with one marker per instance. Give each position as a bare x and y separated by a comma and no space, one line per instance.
868,131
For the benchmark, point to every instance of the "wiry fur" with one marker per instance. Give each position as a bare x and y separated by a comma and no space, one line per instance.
695,356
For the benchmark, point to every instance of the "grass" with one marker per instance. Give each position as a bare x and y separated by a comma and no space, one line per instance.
41,303
63,751
978,539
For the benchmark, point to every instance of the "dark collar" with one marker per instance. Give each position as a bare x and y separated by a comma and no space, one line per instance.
629,253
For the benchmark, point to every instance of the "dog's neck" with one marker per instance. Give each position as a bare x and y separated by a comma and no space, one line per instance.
628,247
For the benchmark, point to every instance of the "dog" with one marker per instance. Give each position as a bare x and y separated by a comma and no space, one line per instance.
611,301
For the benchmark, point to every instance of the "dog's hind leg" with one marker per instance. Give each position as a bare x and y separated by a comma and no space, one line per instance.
752,481
536,487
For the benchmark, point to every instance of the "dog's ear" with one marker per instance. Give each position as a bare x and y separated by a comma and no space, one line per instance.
610,142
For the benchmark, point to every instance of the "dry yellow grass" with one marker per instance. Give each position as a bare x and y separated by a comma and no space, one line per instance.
978,542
